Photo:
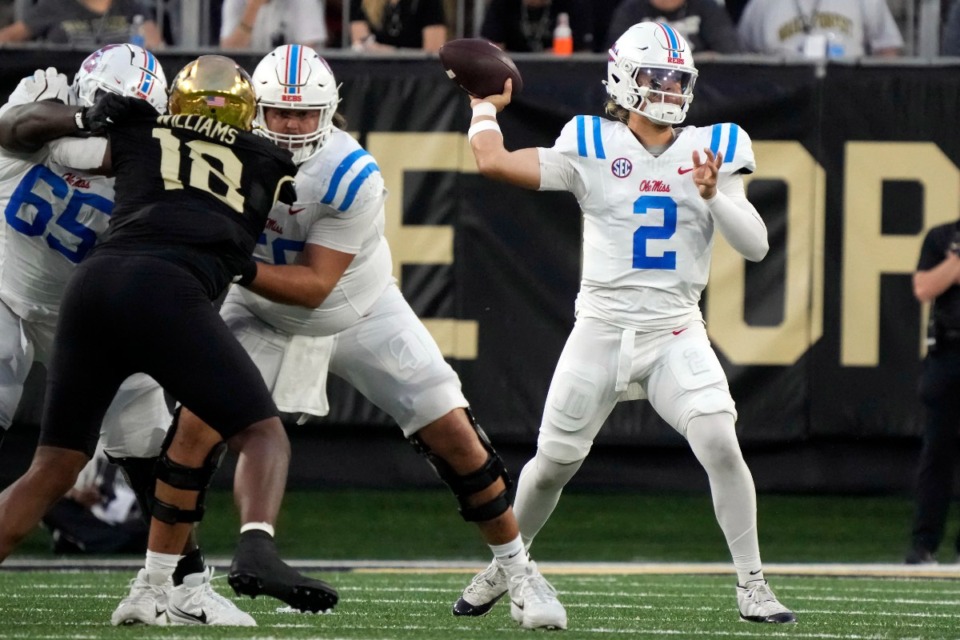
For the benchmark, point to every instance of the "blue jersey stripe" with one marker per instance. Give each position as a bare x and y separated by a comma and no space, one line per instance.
732,143
715,138
341,171
581,137
597,141
356,184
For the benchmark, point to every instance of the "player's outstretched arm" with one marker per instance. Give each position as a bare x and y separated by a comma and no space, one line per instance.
521,167
305,284
27,127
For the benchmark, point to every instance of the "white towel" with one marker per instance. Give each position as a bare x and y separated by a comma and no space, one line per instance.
628,390
301,385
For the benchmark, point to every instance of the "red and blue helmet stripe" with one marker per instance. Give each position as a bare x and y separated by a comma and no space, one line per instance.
673,41
294,68
149,73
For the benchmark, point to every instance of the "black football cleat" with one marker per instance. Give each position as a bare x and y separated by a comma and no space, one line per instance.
257,569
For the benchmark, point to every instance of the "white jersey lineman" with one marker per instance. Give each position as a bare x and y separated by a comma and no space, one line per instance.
365,331
647,241
53,216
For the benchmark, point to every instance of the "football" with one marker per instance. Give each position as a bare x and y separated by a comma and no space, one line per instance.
479,67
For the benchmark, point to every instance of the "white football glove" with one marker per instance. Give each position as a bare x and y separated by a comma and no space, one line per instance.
42,85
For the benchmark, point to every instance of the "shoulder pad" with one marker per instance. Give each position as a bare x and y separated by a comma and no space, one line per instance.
733,142
583,136
336,174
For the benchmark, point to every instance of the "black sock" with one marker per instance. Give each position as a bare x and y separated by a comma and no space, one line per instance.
190,563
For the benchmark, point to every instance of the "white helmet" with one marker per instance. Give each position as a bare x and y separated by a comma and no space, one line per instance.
125,69
650,71
294,76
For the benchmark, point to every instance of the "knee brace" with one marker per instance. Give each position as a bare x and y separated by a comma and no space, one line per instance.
179,476
141,475
465,486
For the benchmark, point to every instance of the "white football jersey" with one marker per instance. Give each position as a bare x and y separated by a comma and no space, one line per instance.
647,233
53,218
340,196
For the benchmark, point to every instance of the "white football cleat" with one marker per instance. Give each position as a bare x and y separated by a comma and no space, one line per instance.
146,602
195,602
486,588
757,603
533,601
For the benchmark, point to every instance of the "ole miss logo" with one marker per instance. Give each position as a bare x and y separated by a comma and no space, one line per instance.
289,98
621,167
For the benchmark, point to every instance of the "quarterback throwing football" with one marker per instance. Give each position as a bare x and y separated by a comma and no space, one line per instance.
651,195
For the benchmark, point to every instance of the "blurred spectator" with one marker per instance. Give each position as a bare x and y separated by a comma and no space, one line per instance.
527,25
704,23
99,515
385,25
262,25
6,12
735,9
602,12
85,24
951,31
820,28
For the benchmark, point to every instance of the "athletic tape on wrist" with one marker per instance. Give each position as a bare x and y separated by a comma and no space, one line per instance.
484,125
484,109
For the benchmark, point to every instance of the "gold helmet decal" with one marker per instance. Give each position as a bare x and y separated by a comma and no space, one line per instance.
216,87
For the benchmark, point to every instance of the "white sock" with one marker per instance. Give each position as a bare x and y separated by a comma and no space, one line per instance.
161,566
713,439
258,526
512,556
538,491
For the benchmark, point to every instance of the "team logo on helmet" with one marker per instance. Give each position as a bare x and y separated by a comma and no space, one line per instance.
621,167
94,58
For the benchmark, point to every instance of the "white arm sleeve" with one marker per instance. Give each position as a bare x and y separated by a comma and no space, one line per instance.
738,219
82,154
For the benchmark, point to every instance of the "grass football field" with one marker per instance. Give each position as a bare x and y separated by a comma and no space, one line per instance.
415,605
625,565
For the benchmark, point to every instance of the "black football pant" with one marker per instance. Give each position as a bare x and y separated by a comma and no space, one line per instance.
125,314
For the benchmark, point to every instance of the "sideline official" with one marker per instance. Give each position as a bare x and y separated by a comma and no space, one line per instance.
937,280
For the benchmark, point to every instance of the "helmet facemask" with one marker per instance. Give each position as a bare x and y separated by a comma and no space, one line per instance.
650,72
295,77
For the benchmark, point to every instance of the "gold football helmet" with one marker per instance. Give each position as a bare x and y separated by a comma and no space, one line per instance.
216,87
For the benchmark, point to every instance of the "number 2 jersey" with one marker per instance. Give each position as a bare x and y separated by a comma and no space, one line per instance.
194,191
53,216
647,233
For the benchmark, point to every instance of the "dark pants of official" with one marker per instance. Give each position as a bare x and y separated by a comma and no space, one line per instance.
940,393
125,314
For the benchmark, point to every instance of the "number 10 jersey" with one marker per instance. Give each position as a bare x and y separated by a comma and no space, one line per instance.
194,191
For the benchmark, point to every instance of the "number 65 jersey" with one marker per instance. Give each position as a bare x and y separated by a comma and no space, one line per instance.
53,216
647,233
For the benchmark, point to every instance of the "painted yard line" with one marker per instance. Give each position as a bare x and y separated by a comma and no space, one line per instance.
558,568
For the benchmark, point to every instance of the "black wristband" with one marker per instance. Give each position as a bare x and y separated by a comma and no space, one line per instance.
248,273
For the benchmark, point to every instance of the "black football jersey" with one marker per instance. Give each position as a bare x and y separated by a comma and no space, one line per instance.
936,244
194,190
